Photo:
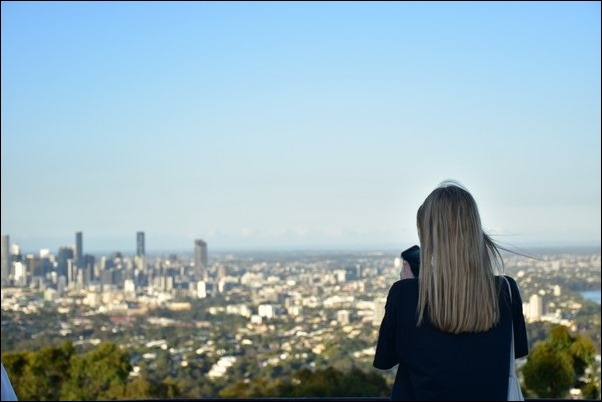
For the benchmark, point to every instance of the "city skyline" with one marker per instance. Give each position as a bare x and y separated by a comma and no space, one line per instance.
296,125
132,246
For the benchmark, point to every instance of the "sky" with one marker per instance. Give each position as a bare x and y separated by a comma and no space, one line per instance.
296,124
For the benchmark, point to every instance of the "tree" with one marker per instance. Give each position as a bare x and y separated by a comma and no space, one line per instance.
547,372
138,388
591,389
99,374
258,387
327,383
334,383
557,364
39,375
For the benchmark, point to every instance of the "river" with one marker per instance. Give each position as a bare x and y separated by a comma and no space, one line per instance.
592,295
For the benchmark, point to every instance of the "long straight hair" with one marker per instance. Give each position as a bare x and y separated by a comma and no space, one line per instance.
457,288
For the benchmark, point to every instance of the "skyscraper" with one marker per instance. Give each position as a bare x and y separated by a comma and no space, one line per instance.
140,252
64,255
5,259
79,250
200,259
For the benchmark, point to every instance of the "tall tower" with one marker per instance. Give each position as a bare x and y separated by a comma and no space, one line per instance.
140,251
79,250
200,259
5,259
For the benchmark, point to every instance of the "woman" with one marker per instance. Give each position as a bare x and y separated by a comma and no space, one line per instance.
449,330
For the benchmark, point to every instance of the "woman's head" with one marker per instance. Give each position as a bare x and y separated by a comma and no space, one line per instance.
457,262
449,217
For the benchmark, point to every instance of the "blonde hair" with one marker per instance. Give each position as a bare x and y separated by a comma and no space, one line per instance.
457,288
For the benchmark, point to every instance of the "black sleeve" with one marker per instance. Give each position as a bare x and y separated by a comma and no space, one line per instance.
386,355
521,344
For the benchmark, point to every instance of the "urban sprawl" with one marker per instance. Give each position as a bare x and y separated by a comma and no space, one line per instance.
308,300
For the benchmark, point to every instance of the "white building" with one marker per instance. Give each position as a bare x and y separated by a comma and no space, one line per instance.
535,310
201,290
265,310
379,311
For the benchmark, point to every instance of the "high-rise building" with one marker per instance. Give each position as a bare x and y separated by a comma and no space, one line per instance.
5,259
140,251
64,254
79,250
536,307
200,259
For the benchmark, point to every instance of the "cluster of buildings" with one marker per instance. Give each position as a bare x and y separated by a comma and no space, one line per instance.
314,293
72,269
119,281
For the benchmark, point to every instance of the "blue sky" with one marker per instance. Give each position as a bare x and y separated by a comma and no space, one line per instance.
296,124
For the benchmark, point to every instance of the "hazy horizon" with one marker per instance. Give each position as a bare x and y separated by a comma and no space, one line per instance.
160,245
297,124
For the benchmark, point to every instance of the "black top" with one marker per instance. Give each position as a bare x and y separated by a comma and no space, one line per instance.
434,365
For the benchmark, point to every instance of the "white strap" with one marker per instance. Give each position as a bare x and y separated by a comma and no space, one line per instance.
512,321
514,391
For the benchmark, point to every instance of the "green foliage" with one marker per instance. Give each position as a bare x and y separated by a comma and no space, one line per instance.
58,373
559,337
583,352
138,388
102,373
334,383
556,365
167,389
591,390
35,375
327,383
258,387
548,372
99,374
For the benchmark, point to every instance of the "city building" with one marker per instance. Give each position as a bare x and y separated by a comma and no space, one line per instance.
79,250
140,250
535,311
200,259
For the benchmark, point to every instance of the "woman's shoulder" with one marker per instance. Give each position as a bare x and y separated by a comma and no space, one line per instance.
408,282
504,279
404,286
509,288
